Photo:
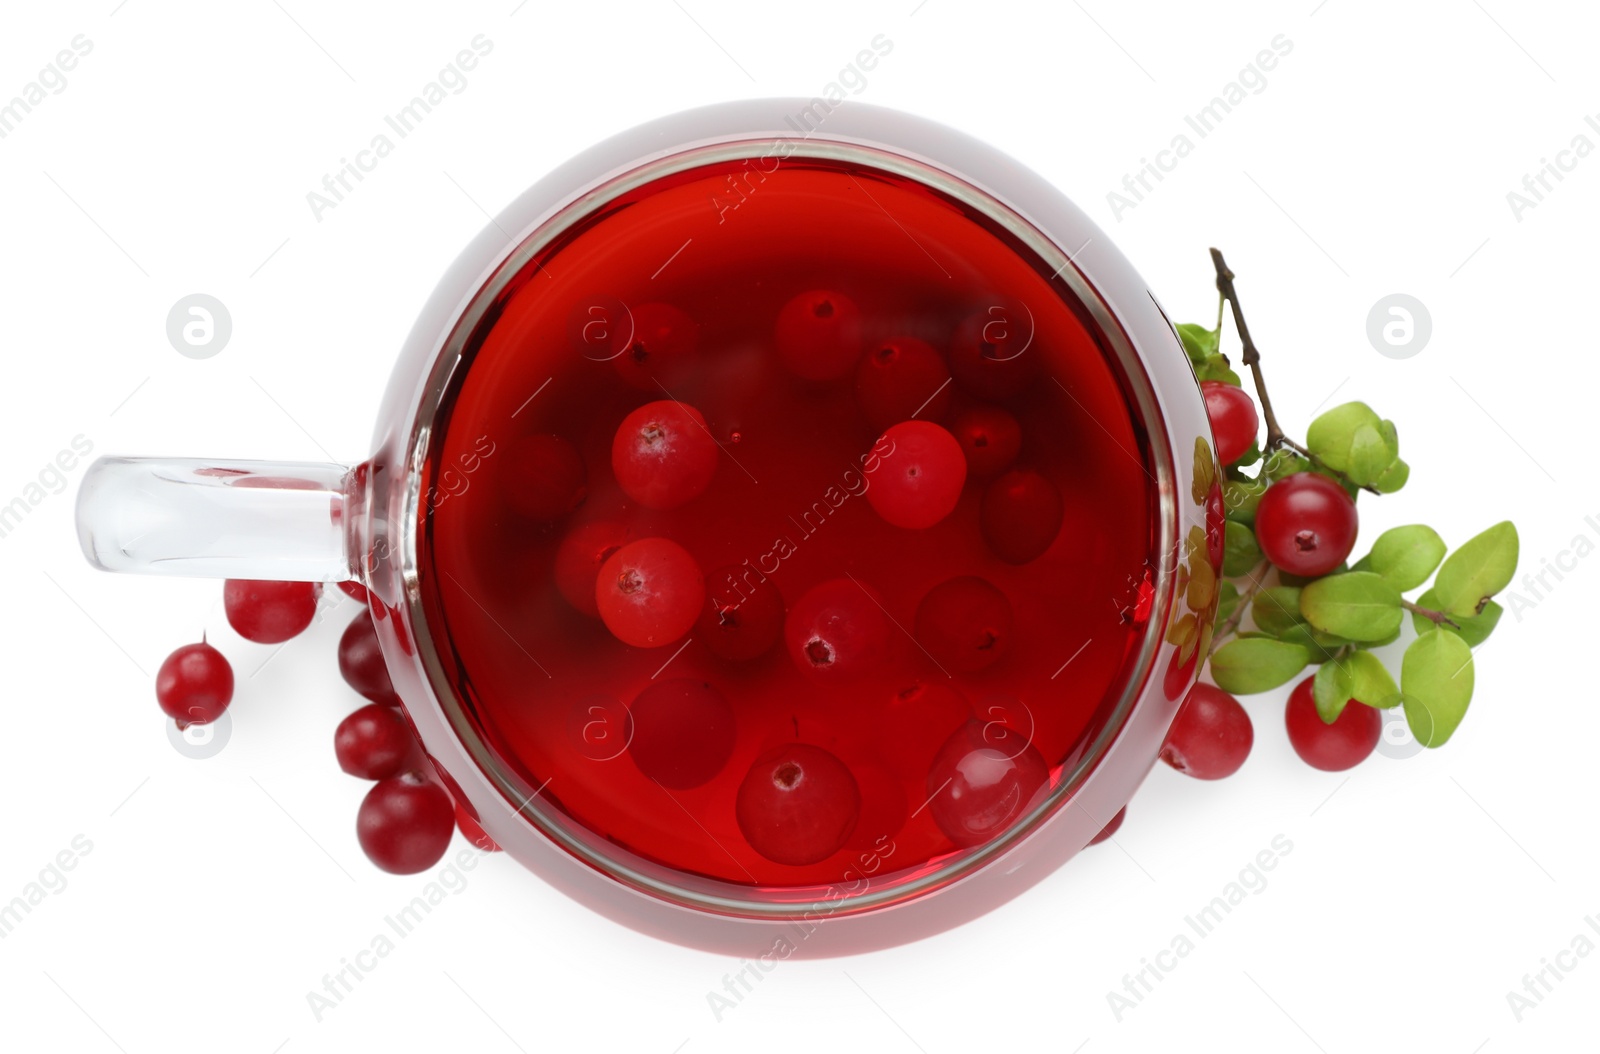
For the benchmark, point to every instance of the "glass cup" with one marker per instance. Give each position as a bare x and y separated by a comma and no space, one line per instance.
786,189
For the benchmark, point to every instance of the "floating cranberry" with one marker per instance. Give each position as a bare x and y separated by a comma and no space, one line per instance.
372,743
837,629
965,623
583,551
1336,747
1233,419
650,592
990,438
1306,524
269,612
1211,736
919,480
743,615
798,805
1021,516
543,477
683,732
194,685
818,335
361,661
902,379
663,455
404,823
661,349
984,778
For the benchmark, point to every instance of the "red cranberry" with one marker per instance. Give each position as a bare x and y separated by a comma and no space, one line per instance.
662,348
683,732
1211,736
992,354
269,612
1110,828
1306,524
372,743
194,685
663,455
1021,516
473,831
902,379
984,778
1233,419
965,623
990,438
919,480
837,630
355,591
650,592
743,615
798,805
1336,747
818,335
361,661
404,823
583,551
543,477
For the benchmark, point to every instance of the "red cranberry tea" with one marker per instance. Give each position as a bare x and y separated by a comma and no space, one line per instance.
785,518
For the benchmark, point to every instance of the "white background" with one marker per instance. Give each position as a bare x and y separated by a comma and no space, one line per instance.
219,892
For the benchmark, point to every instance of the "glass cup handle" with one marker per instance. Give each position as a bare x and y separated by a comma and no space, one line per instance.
273,520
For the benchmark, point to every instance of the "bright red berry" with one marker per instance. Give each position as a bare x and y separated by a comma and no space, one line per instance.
661,349
361,661
990,438
543,477
404,823
965,623
1111,827
983,778
992,353
650,592
194,685
1233,419
683,732
1336,747
743,615
1211,736
837,630
902,379
1021,516
798,805
818,335
1306,524
583,551
372,743
663,455
919,480
269,612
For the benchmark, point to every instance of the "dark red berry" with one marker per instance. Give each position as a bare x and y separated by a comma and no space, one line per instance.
743,615
818,335
372,743
361,661
543,477
1306,524
583,551
965,623
269,612
902,379
663,455
798,805
661,349
1211,736
404,823
1111,827
1336,747
473,831
1233,419
837,630
984,777
649,593
989,437
1021,516
194,685
992,353
919,479
683,732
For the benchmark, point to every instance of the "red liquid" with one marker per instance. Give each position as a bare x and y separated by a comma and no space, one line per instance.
548,686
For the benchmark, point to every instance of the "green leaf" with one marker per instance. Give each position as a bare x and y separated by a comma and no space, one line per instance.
1406,556
1369,681
1330,690
1216,369
1248,665
1282,463
1240,498
1393,478
1304,580
1276,610
1227,603
1475,629
1249,457
1240,553
1199,342
1332,435
1370,455
1436,677
1478,570
1319,646
1358,605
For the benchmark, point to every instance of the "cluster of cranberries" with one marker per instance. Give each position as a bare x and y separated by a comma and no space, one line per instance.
405,822
1305,525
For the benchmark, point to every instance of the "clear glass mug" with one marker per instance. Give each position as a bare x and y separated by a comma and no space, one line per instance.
382,522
